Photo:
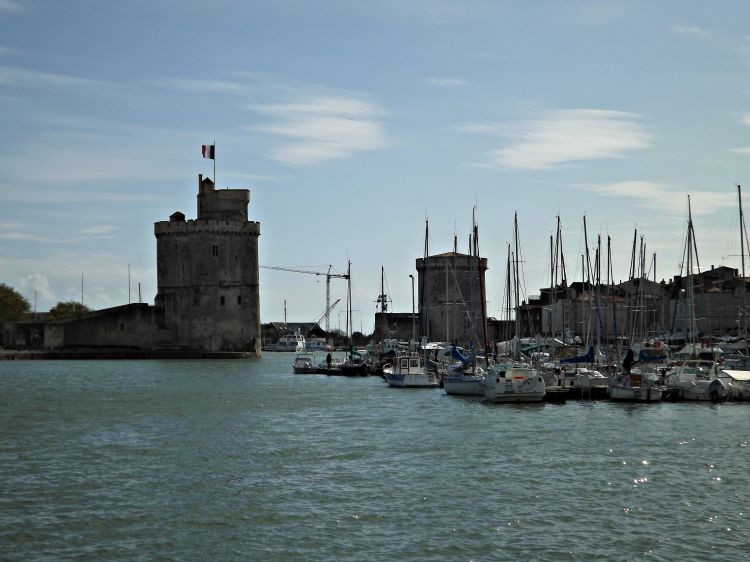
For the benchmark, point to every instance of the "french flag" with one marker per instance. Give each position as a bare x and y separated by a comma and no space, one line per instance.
208,151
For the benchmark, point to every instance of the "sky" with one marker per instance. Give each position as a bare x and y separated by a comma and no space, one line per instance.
352,123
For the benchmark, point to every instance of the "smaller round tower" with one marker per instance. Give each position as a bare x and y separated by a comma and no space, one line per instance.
450,297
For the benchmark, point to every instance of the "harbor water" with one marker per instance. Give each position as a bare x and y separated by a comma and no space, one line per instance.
243,460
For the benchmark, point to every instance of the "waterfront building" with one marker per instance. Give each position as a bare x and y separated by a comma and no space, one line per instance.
207,273
450,298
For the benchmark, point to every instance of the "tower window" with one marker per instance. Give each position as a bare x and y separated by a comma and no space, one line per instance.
215,250
239,299
221,300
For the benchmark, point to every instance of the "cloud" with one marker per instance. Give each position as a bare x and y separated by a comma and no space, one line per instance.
448,82
741,150
322,128
12,6
37,282
563,136
100,230
22,77
679,29
25,237
662,197
198,86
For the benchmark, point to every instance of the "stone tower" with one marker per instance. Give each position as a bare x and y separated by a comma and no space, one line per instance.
207,273
450,298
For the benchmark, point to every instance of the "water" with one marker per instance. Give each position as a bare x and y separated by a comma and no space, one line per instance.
225,460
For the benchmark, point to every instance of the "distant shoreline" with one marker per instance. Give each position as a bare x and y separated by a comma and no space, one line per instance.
29,355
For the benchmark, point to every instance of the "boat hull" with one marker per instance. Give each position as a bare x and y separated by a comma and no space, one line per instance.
514,384
411,380
464,386
635,394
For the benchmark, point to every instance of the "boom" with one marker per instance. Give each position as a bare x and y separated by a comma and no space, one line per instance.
328,276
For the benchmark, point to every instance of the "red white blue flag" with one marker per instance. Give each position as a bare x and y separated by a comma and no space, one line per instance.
208,151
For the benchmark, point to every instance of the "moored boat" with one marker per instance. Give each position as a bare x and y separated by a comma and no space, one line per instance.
513,382
407,371
304,364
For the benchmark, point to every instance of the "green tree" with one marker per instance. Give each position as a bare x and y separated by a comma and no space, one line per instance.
12,304
67,309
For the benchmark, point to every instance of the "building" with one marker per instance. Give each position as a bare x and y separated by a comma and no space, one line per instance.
450,300
208,298
207,273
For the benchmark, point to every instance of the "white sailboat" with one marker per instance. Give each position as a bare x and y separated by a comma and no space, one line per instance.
514,381
695,378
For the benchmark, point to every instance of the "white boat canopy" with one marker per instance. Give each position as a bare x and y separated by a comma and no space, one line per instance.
738,375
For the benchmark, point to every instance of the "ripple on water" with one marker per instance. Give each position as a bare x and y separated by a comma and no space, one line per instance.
193,460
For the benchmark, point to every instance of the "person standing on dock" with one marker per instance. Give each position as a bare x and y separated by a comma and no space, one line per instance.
627,363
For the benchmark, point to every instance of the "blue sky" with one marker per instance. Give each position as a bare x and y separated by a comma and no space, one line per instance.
352,122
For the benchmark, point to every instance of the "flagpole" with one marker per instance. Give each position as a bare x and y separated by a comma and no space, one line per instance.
216,185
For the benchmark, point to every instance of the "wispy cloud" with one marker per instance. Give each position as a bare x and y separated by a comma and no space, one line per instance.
563,136
22,77
12,6
662,197
322,128
681,29
37,283
99,230
199,86
447,82
7,51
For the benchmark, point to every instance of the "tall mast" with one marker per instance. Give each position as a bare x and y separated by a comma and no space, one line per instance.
742,233
481,295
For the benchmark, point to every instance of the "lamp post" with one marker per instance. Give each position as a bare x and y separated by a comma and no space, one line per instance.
413,336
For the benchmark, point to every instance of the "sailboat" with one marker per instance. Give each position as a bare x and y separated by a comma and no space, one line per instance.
464,377
694,378
354,365
513,380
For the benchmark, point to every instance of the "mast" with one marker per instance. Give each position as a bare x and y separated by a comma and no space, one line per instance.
423,293
742,224
516,285
481,295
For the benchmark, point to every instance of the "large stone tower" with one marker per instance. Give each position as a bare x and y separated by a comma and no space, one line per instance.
207,273
450,297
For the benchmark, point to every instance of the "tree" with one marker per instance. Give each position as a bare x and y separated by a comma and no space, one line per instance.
12,304
67,309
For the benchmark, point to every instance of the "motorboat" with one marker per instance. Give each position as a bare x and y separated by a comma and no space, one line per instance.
462,380
407,371
304,364
634,387
290,342
513,382
737,383
697,379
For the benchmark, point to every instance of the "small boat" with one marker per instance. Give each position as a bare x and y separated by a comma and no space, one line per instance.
304,364
737,383
316,344
463,376
290,342
697,380
462,381
513,382
407,371
634,387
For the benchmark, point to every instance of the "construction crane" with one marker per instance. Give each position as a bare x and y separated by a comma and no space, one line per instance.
328,311
328,276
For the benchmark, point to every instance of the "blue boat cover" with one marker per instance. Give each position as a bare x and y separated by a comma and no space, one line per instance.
588,358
